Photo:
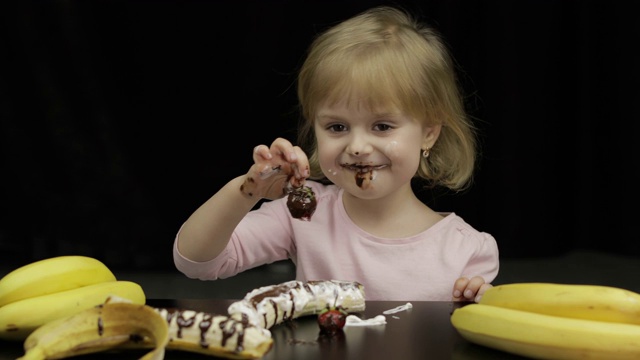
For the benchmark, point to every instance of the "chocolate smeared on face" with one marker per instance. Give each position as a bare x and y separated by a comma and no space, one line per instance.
302,203
364,174
363,179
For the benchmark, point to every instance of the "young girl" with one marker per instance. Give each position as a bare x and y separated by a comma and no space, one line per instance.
380,106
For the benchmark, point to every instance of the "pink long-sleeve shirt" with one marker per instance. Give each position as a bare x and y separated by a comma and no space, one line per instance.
330,246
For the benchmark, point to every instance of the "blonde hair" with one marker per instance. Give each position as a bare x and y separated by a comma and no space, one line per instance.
383,57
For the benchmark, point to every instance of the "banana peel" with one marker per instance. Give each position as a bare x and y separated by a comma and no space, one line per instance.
18,319
109,326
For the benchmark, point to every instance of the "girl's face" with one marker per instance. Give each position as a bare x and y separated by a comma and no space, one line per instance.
369,153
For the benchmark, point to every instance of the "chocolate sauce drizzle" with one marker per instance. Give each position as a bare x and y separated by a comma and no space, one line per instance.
205,324
287,288
183,322
228,326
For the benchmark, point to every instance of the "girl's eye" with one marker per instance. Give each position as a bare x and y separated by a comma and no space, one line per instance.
336,128
382,127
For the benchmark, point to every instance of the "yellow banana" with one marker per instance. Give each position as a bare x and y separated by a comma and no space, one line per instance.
592,302
18,319
108,326
52,275
543,336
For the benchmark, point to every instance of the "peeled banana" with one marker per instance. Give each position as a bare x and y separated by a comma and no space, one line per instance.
592,302
543,336
19,318
52,275
273,304
104,327
215,335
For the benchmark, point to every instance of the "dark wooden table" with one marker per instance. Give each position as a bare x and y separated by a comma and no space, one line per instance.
423,332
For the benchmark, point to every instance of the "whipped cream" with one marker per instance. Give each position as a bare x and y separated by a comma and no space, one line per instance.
396,309
353,320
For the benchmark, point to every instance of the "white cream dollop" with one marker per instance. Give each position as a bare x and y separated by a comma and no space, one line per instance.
353,320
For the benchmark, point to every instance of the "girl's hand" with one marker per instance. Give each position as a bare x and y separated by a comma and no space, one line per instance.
469,289
276,170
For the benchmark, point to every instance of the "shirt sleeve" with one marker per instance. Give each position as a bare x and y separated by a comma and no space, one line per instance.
485,260
263,236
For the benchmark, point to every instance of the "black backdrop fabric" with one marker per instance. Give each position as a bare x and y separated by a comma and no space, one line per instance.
119,118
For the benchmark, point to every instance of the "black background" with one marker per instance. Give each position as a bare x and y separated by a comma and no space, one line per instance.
119,118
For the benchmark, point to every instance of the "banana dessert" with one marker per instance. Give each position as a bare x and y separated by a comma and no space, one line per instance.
215,334
271,305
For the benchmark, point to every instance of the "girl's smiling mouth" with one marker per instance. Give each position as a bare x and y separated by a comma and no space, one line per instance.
361,168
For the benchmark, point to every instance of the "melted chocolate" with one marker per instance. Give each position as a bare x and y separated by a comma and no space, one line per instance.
204,326
272,292
361,177
183,322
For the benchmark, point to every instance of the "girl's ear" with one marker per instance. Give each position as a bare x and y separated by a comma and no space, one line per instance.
431,134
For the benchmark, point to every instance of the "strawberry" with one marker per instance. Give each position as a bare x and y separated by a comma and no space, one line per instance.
302,203
332,320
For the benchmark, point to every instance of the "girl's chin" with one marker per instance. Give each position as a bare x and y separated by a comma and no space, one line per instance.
356,186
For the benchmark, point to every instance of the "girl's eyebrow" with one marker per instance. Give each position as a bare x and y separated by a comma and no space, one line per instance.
323,116
387,115
381,115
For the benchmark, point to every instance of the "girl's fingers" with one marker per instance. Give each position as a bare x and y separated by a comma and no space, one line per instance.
276,168
473,288
459,288
475,283
261,152
284,149
302,163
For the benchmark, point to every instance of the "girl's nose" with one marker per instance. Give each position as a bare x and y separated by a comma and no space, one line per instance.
359,146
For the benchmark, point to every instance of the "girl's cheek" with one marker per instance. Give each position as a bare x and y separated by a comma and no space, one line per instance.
327,164
391,149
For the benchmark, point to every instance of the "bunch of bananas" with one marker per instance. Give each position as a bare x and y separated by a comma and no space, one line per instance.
58,287
554,321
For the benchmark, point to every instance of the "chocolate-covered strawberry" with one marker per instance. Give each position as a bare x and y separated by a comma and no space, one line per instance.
332,320
302,203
